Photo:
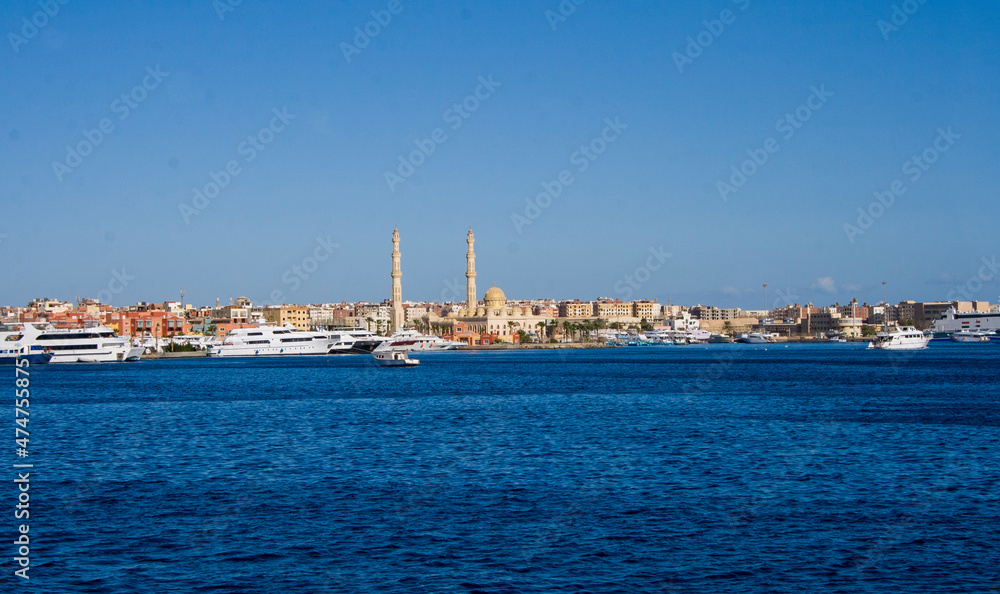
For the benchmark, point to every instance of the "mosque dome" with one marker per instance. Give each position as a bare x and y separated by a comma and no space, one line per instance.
495,298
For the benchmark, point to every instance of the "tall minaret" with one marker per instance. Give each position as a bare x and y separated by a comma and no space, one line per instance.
396,317
470,276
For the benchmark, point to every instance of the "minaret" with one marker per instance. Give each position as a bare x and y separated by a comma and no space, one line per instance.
396,317
470,275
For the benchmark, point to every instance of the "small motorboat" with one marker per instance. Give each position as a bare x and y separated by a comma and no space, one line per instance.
390,358
970,336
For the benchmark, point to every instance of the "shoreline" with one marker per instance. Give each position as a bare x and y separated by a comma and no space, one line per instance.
502,347
535,346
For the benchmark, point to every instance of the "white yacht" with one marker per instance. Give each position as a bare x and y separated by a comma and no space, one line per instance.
411,340
353,341
975,320
970,336
81,345
199,341
906,338
754,338
267,341
13,347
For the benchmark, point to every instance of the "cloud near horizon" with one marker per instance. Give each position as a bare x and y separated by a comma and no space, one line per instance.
824,284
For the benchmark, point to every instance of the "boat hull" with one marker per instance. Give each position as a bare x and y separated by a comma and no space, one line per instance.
898,347
365,347
266,351
32,359
89,356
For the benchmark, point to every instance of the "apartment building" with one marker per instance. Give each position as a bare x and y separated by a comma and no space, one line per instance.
296,315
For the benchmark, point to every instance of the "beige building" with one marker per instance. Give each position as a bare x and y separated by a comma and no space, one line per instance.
710,313
826,320
606,308
576,309
924,314
646,309
414,313
296,315
239,315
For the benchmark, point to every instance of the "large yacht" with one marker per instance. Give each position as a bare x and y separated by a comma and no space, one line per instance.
975,320
81,345
411,340
906,338
13,348
356,341
266,341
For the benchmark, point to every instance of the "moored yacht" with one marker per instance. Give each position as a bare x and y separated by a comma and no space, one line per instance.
971,336
953,321
269,341
13,348
356,341
99,344
754,338
905,338
411,340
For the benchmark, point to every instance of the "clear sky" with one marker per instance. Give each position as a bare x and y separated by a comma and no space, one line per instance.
691,90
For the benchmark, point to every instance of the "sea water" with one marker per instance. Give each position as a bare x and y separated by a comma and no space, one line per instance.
718,468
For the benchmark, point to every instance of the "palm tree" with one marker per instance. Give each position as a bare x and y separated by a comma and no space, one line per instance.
541,330
368,323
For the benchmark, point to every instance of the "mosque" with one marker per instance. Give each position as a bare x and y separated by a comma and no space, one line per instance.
473,323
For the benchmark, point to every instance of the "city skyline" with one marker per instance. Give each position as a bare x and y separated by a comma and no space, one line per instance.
742,139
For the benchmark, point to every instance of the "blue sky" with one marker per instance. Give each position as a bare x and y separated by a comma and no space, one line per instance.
319,175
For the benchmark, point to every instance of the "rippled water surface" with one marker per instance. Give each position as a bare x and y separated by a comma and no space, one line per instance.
722,468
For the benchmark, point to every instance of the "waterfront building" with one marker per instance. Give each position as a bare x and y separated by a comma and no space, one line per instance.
576,309
547,310
46,305
157,324
828,320
685,322
926,313
611,308
296,315
711,313
414,313
646,309
906,310
238,314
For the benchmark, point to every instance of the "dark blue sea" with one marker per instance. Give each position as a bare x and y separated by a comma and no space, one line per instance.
719,468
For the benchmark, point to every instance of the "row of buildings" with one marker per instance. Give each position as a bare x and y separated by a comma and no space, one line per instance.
495,314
